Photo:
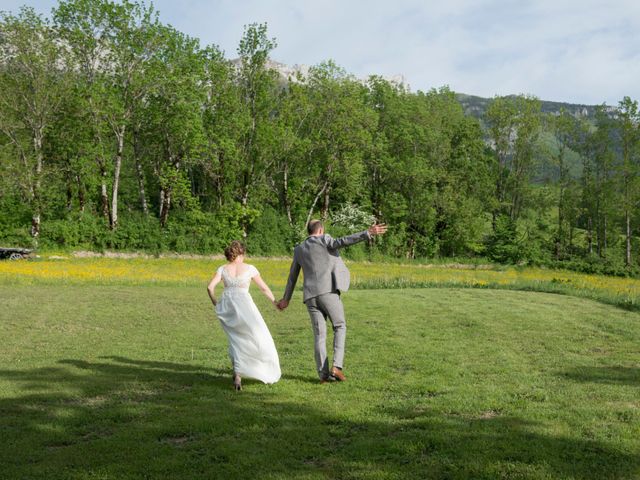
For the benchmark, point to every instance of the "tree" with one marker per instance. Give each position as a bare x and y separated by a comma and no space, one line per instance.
563,127
628,123
258,90
33,84
174,107
293,113
514,127
117,43
221,124
600,148
83,26
338,133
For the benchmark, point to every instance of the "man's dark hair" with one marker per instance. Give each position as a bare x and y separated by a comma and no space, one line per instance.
314,226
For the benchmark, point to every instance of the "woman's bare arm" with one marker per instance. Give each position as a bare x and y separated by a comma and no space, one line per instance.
264,288
211,289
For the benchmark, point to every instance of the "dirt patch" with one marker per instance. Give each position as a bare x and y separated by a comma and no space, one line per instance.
193,256
489,414
178,441
129,255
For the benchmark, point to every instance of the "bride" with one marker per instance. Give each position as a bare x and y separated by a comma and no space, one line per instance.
251,347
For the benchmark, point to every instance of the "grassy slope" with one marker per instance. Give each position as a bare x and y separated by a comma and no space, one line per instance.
133,382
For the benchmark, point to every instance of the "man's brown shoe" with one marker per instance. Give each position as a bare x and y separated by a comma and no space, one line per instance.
327,379
337,374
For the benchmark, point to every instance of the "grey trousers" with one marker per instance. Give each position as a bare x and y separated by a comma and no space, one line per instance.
320,307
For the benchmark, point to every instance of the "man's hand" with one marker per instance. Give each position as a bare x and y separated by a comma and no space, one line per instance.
282,304
377,229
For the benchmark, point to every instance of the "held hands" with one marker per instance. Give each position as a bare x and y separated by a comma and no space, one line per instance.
377,229
281,304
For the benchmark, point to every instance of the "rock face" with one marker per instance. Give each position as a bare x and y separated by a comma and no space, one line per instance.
291,73
287,72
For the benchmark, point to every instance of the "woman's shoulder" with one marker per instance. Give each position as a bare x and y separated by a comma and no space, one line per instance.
221,269
253,271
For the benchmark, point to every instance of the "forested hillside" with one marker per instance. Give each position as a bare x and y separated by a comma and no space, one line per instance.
477,106
120,132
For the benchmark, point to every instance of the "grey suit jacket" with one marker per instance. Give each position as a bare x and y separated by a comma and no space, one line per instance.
323,269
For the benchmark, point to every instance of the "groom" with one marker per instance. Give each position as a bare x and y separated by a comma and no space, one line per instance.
325,276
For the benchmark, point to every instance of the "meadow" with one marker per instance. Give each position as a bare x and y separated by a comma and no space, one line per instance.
118,369
194,271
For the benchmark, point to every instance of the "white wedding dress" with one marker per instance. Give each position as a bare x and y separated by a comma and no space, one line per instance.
251,347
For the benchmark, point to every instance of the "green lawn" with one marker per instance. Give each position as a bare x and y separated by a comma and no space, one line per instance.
124,382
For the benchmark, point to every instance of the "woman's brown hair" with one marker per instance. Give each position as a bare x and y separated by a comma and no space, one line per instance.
234,250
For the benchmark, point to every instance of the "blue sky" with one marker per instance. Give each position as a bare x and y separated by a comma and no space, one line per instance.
585,51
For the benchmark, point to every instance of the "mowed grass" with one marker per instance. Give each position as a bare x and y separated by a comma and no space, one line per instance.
133,382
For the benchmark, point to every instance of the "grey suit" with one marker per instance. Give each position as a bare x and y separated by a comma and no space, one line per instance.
325,276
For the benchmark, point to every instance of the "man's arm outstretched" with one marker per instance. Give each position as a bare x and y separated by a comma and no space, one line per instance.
336,243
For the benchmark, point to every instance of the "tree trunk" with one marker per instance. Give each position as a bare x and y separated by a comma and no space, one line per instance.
327,192
325,203
69,196
165,206
560,243
411,252
142,194
104,198
140,173
604,236
315,201
560,239
116,178
570,246
285,194
81,193
590,234
627,220
35,217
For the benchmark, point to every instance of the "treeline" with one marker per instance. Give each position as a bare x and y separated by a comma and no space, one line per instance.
117,131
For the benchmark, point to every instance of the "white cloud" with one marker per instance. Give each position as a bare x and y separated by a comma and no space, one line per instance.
581,51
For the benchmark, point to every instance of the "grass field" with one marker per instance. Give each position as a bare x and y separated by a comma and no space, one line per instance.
107,378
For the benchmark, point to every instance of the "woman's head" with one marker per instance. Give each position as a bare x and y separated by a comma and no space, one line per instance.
234,250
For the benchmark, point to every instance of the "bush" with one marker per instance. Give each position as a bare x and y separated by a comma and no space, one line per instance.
270,234
502,244
593,264
15,221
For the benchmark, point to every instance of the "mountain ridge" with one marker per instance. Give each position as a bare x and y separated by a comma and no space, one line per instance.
473,105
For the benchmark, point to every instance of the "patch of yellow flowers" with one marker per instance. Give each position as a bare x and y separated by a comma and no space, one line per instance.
198,271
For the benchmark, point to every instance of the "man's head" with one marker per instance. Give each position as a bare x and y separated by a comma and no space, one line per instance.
315,227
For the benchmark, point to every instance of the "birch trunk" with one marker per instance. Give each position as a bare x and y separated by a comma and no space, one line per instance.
116,177
35,218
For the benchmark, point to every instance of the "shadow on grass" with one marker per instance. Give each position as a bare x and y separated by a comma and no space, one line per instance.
125,418
611,375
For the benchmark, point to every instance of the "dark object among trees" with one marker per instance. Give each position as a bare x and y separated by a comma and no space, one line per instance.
14,253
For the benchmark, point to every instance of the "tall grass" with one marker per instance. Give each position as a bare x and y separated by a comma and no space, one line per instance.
619,291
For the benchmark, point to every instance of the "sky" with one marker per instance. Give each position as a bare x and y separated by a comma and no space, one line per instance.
577,51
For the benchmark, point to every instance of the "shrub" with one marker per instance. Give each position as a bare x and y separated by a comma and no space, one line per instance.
270,234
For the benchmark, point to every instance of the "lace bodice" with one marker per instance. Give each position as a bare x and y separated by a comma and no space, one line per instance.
241,282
